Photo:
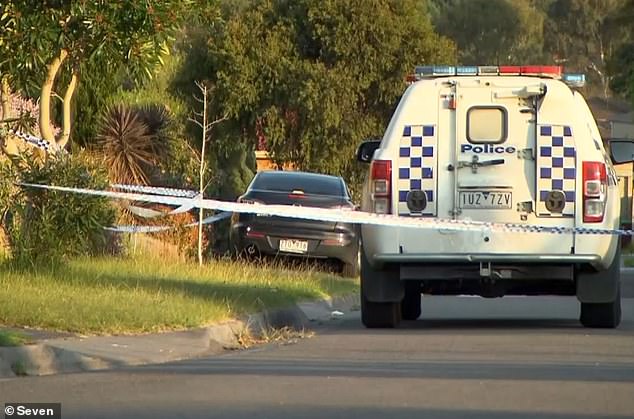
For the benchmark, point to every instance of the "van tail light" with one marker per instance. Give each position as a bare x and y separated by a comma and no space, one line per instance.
595,187
380,182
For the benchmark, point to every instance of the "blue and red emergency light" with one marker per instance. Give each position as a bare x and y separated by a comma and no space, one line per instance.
550,71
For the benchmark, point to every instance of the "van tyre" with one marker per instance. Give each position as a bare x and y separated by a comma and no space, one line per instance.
601,315
600,295
411,305
385,313
379,315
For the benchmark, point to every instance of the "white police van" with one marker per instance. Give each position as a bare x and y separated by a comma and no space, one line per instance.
503,144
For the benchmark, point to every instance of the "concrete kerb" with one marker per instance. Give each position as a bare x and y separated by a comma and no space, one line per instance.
64,355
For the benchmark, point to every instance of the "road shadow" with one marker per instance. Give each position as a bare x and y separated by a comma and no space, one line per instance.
317,411
398,368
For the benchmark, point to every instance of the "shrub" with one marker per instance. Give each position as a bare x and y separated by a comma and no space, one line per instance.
127,145
46,227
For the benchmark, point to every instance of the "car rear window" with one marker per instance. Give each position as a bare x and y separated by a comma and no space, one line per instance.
307,183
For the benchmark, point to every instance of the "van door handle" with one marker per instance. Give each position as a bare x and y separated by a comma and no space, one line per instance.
475,163
493,162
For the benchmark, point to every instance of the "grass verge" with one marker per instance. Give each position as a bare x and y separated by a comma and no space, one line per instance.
8,338
118,296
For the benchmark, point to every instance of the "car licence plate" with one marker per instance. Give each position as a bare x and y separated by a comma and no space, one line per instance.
293,246
485,200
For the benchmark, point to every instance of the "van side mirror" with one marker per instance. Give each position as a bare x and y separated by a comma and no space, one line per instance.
366,150
622,151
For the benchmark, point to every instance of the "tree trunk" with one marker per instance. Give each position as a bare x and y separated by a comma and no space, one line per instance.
45,97
66,124
4,98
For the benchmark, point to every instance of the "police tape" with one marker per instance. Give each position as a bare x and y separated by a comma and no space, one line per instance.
36,141
338,215
158,229
154,190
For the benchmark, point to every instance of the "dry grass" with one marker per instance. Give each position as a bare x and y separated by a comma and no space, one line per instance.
285,335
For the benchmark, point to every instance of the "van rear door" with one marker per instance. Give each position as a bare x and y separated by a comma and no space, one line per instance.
510,166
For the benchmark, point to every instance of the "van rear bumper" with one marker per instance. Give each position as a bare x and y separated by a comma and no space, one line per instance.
484,257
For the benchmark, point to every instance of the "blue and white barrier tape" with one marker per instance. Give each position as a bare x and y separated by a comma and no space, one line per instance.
184,193
156,229
36,141
337,215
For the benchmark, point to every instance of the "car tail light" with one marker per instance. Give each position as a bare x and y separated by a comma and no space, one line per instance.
595,185
252,234
380,182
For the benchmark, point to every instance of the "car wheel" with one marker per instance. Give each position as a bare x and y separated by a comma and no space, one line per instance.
604,315
411,305
349,270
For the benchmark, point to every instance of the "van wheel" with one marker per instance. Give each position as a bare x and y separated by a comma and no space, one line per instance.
374,314
411,305
604,315
379,315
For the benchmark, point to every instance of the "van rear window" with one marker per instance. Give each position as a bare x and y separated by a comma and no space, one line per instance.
486,124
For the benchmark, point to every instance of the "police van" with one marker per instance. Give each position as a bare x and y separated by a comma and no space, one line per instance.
502,144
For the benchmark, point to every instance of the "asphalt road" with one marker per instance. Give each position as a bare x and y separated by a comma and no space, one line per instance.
469,357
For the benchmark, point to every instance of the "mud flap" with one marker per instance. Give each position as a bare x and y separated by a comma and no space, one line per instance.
600,287
380,286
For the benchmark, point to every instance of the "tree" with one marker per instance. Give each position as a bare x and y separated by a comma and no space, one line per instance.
202,121
491,31
621,64
314,78
583,35
52,40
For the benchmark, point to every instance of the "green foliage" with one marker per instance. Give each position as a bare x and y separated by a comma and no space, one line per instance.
128,32
179,168
111,41
621,64
47,227
583,34
622,69
316,78
491,31
96,88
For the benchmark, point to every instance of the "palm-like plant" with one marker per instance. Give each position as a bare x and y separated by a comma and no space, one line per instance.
127,144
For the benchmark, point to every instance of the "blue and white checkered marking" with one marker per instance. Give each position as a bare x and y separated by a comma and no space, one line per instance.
556,167
417,165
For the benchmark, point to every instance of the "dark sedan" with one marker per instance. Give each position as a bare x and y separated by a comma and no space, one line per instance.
260,234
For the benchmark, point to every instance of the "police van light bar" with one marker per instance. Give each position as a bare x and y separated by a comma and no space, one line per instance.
552,71
434,70
466,71
574,79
